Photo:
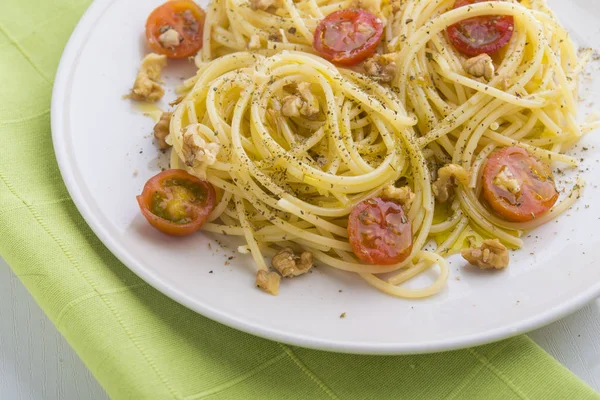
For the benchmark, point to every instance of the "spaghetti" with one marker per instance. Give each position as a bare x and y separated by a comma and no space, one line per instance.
232,25
293,143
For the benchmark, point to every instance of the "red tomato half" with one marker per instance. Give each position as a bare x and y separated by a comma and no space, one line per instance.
348,37
478,35
517,185
185,17
379,232
176,203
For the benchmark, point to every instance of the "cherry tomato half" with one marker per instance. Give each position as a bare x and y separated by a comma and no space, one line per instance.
348,37
183,16
379,232
176,203
517,185
478,35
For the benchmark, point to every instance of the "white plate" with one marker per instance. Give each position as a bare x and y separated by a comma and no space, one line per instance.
101,141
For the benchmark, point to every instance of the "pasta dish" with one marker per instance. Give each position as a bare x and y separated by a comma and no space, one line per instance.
372,136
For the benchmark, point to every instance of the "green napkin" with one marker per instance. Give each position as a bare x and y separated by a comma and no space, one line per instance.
140,344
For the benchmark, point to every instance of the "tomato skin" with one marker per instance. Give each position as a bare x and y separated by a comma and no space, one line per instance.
379,232
347,37
537,193
186,17
478,35
184,200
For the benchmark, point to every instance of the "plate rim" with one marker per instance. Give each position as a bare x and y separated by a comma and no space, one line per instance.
58,115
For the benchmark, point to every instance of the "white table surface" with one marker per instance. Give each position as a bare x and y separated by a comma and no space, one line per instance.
37,363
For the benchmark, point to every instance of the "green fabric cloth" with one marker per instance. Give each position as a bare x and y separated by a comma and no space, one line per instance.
140,344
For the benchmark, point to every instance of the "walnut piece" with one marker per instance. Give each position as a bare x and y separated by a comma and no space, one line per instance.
289,264
291,106
303,103
161,130
403,195
268,281
177,101
480,66
381,67
169,38
491,255
448,177
146,87
196,151
264,5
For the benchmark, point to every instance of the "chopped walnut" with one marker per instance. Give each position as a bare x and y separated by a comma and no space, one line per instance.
254,42
268,281
177,101
491,254
382,67
291,106
310,106
146,87
448,177
264,5
161,130
196,151
303,103
480,66
403,195
170,38
290,265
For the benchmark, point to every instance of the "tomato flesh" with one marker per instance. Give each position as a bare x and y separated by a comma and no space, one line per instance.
478,35
176,203
185,17
535,192
380,232
347,37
